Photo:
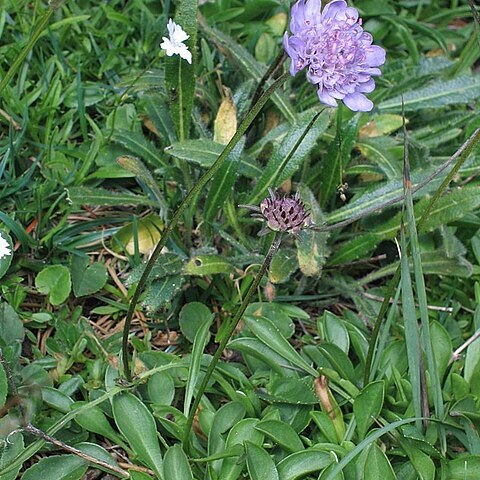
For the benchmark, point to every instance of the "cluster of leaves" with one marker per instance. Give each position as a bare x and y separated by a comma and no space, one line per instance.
102,139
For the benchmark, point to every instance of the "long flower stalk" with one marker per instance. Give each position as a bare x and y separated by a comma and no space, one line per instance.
228,333
185,203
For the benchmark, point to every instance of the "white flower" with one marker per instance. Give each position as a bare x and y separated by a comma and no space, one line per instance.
4,248
174,45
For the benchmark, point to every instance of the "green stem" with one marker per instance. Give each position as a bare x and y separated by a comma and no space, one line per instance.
198,187
227,334
462,155
41,26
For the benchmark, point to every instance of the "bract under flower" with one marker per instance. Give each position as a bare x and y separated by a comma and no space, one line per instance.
337,52
174,45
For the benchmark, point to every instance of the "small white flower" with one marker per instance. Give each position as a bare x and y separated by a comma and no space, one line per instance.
4,248
174,45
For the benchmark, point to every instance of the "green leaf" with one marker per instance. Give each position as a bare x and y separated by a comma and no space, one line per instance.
55,282
94,420
142,173
367,406
175,464
98,452
3,386
56,399
377,465
167,264
438,94
335,331
311,245
179,74
97,196
243,431
137,425
138,146
159,114
422,463
292,152
134,475
162,291
300,464
202,336
259,350
8,452
359,246
222,183
259,463
193,316
249,66
378,151
6,260
161,389
337,157
207,265
442,347
283,265
204,152
270,335
338,359
412,337
87,279
472,360
281,433
11,327
464,467
325,425
59,467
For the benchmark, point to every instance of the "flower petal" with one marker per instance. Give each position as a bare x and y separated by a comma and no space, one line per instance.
366,87
375,56
326,98
357,102
333,8
185,53
313,13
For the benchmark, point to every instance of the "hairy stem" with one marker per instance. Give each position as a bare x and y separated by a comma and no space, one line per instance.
185,203
227,334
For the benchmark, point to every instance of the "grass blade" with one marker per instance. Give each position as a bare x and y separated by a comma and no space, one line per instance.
412,338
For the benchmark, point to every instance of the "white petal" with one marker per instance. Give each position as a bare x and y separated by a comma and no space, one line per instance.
171,27
185,54
179,34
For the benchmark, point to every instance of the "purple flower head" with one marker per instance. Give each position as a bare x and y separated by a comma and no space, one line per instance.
337,52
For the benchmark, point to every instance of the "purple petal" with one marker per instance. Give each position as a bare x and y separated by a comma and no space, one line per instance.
366,87
372,71
333,8
295,50
358,102
351,15
326,98
375,56
313,12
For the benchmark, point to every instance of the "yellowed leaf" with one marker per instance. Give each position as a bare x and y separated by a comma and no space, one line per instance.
226,122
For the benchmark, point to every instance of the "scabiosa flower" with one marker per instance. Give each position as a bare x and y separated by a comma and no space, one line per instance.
282,213
337,53
174,45
4,247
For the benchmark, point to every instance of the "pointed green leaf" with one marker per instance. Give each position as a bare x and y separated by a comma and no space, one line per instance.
137,425
259,463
